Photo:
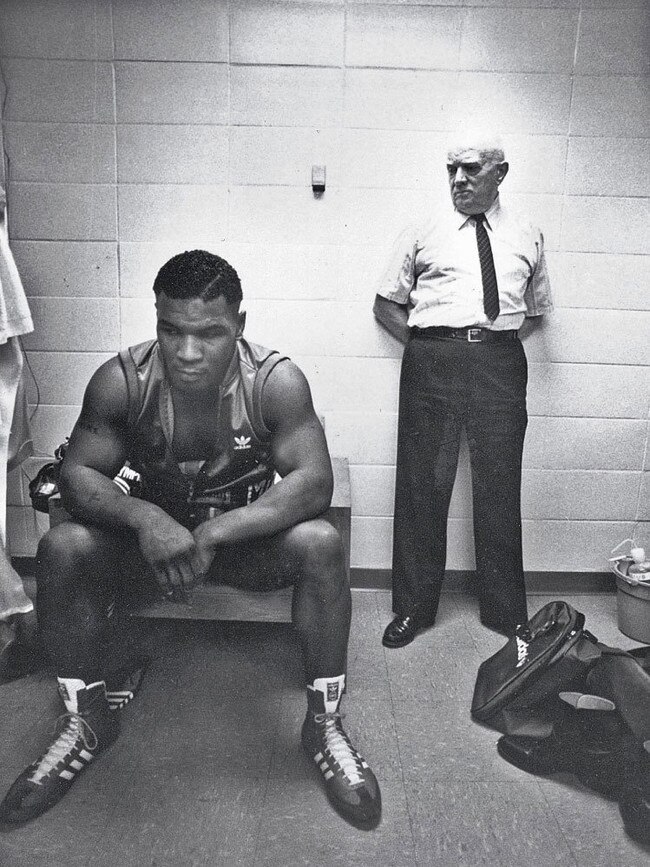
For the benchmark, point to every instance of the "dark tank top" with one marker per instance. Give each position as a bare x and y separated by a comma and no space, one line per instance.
240,467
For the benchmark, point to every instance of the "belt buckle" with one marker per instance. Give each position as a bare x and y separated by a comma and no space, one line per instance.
474,335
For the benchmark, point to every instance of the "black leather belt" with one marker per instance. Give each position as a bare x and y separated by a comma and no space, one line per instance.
470,335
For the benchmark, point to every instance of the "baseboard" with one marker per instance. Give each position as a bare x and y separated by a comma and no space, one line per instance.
456,581
462,581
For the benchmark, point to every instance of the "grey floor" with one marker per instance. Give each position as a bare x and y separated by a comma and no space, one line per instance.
208,770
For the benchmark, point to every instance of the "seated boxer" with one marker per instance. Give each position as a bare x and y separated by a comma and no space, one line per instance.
169,479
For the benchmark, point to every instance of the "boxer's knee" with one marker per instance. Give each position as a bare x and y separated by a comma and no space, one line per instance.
65,552
315,544
317,550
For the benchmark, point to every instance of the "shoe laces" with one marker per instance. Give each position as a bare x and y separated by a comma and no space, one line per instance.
74,728
339,746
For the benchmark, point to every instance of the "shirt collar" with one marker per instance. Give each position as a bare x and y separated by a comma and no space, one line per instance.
492,215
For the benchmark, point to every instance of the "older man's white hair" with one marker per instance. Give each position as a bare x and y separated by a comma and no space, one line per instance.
488,143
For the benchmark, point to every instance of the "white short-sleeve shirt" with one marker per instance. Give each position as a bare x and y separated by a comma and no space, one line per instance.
435,270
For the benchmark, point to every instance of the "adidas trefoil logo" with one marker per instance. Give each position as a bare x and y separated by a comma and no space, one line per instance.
242,442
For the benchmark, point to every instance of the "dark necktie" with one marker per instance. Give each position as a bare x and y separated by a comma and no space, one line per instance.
488,275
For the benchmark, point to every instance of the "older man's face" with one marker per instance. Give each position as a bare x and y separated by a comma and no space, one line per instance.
473,180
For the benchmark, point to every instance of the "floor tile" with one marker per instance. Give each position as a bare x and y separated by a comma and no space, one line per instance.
440,742
495,824
592,826
215,817
299,827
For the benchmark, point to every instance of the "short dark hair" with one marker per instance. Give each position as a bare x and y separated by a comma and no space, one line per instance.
198,274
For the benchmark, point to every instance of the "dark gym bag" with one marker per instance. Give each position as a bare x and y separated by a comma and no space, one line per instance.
569,704
516,689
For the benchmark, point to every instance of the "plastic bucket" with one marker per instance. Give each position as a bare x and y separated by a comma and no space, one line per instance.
633,605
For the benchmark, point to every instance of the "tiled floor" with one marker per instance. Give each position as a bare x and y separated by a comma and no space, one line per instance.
208,770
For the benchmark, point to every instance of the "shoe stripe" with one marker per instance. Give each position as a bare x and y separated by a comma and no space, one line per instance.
86,756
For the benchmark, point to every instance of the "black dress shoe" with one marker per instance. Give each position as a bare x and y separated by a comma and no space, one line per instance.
400,631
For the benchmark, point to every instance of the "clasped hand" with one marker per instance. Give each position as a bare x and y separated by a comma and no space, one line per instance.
179,558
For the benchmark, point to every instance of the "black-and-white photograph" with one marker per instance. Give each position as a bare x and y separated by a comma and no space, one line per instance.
325,433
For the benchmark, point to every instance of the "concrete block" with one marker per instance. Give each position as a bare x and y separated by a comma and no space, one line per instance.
172,154
394,159
323,331
399,99
73,324
411,36
613,43
61,153
169,212
608,167
597,280
584,444
587,390
67,268
351,383
287,271
67,28
285,96
60,91
524,40
62,212
606,225
62,377
364,437
591,336
168,30
171,92
288,33
616,105
275,214
533,103
579,495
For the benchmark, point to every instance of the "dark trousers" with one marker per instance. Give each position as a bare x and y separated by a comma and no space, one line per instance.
447,385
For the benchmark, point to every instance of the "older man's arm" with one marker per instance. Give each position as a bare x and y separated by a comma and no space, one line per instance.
392,316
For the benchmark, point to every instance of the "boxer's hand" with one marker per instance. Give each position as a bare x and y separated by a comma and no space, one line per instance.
169,549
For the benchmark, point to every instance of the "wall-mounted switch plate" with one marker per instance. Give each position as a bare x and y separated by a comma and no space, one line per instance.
318,179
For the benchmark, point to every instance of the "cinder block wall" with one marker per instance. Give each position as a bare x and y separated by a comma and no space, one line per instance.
135,130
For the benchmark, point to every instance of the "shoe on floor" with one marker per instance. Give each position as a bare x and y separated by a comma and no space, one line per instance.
400,631
83,735
350,785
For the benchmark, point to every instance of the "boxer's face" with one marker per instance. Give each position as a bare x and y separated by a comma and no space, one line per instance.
197,339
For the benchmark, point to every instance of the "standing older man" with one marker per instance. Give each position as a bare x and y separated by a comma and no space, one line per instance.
456,292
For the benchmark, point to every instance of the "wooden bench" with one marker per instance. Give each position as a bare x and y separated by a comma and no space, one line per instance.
220,602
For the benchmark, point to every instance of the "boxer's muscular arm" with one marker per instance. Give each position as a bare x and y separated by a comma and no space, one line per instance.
96,452
300,456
